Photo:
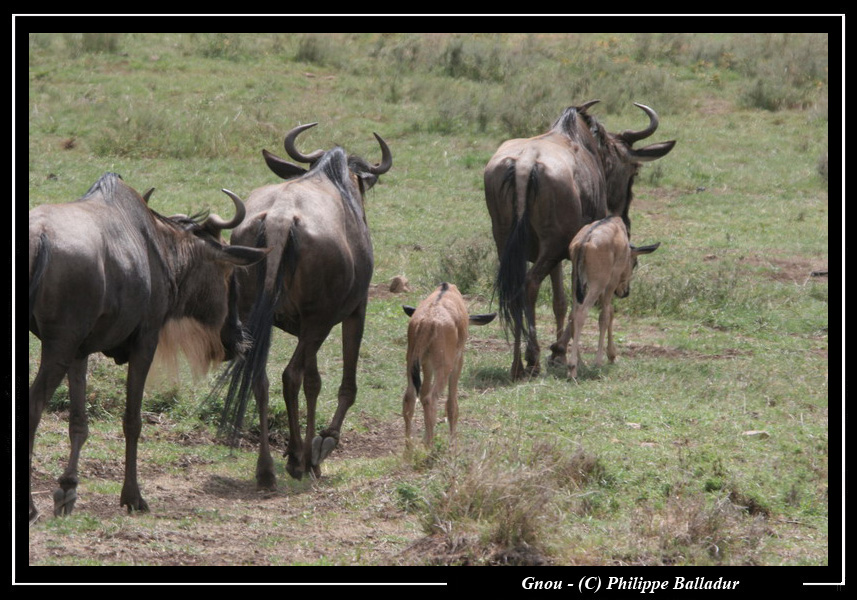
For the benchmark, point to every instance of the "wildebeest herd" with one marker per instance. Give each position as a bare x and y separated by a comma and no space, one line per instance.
109,274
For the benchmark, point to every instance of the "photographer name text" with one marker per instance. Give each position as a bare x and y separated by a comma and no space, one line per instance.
632,584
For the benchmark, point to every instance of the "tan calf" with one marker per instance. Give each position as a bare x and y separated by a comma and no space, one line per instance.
603,261
437,332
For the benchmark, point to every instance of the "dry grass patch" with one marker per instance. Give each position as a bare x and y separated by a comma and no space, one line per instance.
495,505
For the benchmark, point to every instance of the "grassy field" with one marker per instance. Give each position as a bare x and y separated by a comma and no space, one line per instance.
649,461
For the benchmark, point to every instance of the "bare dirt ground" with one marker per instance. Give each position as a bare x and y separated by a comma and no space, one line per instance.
199,518
202,519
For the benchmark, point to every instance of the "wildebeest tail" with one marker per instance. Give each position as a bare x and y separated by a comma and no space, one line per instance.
512,273
37,269
415,375
243,372
579,278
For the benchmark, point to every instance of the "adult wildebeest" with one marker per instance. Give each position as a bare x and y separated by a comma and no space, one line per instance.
107,274
316,276
437,332
603,261
540,191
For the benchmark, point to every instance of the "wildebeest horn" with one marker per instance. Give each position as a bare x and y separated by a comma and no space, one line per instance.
148,195
585,105
386,158
631,136
289,145
215,222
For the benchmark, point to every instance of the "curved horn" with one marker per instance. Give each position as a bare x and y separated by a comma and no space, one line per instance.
213,221
585,105
386,158
631,136
289,145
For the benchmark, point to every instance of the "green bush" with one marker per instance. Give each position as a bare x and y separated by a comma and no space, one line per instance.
469,264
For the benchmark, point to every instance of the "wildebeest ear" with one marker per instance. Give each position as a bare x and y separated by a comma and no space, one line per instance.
282,168
367,180
482,319
645,249
243,256
653,151
409,310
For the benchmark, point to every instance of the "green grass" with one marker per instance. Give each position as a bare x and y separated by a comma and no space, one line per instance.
641,462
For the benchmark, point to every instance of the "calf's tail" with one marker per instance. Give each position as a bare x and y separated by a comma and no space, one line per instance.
579,278
415,374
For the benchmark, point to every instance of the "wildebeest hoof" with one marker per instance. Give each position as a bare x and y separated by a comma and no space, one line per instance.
321,448
295,469
142,507
532,370
265,477
135,505
266,481
518,371
64,501
557,359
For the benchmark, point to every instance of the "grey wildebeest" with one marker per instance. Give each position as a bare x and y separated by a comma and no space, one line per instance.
437,332
108,274
603,261
316,276
540,191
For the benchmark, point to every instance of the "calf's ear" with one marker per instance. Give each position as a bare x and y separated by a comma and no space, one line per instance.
644,249
482,319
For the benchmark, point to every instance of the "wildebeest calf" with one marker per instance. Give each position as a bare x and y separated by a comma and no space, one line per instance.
437,332
603,261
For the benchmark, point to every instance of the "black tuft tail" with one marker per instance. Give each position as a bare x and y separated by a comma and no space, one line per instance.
415,375
243,372
578,278
39,268
512,273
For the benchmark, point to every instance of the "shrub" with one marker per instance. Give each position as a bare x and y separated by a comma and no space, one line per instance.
469,264
510,497
822,166
78,44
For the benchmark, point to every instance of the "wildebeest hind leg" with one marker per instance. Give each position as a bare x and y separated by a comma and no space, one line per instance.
560,306
314,447
47,380
517,370
352,337
266,479
532,284
301,363
138,369
78,430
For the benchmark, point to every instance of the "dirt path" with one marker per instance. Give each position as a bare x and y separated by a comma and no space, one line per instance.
201,518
